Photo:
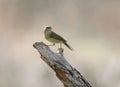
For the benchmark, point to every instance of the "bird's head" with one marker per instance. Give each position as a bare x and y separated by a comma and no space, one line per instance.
49,28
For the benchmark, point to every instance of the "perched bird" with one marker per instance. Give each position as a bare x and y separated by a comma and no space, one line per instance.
55,38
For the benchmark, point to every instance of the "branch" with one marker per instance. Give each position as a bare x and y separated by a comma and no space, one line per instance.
69,76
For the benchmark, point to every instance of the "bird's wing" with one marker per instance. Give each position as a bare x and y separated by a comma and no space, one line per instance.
56,36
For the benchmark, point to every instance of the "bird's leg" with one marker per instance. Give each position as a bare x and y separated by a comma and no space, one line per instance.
60,45
51,44
60,50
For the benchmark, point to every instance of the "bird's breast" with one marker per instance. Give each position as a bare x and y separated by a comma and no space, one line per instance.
52,40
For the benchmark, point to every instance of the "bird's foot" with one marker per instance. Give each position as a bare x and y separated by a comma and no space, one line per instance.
60,51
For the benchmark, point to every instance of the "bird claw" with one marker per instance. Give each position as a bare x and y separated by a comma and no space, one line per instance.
60,50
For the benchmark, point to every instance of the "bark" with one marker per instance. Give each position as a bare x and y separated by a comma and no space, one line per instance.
69,76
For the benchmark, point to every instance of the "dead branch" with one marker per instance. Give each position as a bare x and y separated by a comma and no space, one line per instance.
69,76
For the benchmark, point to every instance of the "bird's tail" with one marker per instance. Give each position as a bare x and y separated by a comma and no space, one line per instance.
65,43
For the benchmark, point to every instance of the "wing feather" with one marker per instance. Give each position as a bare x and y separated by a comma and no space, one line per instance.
57,37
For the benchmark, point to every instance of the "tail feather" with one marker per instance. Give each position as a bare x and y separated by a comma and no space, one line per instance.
65,43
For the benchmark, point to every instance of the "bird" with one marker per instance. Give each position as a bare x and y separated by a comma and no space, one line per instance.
55,38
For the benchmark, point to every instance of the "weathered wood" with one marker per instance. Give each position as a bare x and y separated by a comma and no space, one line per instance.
69,76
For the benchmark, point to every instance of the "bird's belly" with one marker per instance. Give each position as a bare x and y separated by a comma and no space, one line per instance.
52,40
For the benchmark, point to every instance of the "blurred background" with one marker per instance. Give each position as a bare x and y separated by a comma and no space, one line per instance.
91,27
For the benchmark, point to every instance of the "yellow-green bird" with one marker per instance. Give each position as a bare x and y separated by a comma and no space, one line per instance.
55,38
